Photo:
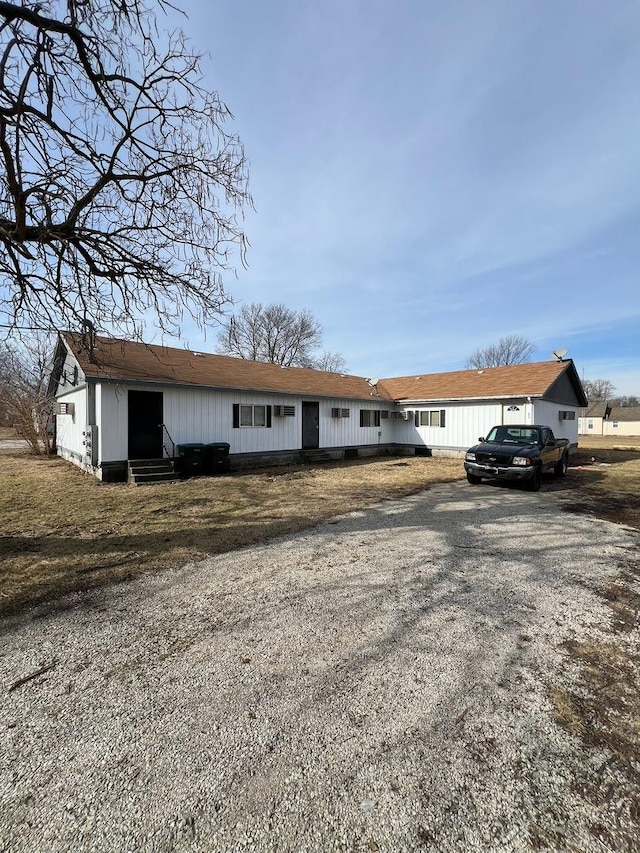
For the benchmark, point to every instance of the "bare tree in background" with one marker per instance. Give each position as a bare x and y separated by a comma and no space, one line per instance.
625,401
276,334
24,400
513,349
121,187
332,362
598,389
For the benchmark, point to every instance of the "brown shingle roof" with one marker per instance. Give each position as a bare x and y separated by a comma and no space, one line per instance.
597,409
139,362
625,413
526,380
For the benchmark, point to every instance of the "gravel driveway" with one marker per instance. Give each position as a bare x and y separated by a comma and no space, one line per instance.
378,683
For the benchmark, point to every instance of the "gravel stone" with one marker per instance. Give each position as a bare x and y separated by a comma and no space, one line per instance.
376,683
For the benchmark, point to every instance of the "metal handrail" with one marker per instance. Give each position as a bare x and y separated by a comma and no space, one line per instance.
171,455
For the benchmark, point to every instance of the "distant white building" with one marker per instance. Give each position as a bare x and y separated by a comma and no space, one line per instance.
602,419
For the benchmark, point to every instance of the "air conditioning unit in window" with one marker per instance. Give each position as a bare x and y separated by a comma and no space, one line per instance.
384,414
66,408
395,416
278,411
567,416
335,413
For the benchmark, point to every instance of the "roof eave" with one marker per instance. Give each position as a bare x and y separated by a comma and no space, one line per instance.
115,380
405,401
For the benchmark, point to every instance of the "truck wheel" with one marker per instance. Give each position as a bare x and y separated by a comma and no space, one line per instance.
561,468
535,481
475,481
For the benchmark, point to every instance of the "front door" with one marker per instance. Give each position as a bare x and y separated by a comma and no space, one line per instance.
145,425
310,426
514,413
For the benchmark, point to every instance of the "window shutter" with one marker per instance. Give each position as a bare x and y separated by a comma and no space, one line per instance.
442,417
416,419
268,416
376,417
361,417
236,415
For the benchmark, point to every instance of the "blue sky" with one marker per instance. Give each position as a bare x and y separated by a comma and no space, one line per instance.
430,176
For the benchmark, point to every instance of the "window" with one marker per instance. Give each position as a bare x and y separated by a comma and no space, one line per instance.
431,418
251,416
369,417
589,424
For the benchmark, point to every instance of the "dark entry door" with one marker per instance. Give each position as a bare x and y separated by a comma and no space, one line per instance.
145,425
310,426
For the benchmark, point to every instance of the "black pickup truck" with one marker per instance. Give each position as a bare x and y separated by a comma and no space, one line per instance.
517,452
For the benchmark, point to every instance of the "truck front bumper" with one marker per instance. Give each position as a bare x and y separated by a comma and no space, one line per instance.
499,472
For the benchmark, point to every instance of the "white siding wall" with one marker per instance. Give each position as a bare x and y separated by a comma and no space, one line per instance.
596,427
111,417
546,413
464,423
69,428
202,415
67,371
622,428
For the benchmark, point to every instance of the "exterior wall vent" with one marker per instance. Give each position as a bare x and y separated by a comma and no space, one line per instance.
284,411
66,409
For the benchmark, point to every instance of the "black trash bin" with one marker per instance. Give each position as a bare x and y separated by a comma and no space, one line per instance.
217,458
191,459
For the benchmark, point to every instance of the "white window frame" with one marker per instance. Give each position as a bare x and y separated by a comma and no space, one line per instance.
430,418
248,417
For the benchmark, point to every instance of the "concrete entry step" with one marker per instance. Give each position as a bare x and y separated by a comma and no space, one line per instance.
313,456
146,471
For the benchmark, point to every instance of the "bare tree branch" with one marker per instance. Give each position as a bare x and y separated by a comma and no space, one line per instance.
598,389
512,349
24,400
121,190
276,334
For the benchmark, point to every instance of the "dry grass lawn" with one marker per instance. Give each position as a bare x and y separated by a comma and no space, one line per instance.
62,530
609,442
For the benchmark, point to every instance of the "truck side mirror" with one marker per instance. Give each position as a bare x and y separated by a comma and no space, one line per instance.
481,438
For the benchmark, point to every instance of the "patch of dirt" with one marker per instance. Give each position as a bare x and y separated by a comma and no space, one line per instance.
603,709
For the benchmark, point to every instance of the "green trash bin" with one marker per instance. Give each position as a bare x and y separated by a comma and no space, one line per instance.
217,458
191,459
